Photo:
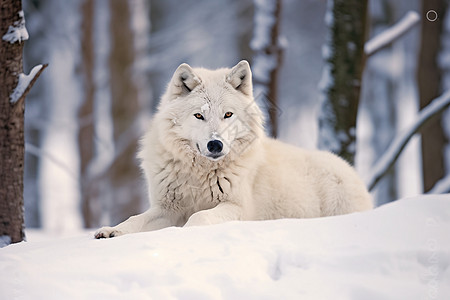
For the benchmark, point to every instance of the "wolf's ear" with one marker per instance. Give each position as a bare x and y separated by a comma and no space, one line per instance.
184,80
240,78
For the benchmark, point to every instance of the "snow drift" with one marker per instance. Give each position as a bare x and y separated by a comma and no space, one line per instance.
398,251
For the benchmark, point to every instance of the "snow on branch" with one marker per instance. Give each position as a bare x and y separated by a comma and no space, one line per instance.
388,159
17,32
25,83
391,34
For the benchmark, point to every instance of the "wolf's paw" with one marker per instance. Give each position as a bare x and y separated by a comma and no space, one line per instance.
107,232
199,219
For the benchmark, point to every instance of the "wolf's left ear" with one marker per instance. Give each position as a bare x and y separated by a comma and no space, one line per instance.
240,78
183,81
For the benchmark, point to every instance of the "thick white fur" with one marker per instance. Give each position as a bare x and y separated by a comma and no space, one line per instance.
257,178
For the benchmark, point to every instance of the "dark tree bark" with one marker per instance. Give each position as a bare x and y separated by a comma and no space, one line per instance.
86,116
341,79
267,60
429,79
12,119
11,130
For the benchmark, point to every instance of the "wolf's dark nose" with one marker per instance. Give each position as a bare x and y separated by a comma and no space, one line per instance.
215,146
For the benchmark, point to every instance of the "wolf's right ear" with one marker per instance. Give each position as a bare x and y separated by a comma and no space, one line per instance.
240,78
183,80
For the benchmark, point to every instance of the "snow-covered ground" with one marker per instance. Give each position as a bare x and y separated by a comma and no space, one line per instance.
398,251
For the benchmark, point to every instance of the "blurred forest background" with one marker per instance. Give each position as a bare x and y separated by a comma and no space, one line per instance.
110,60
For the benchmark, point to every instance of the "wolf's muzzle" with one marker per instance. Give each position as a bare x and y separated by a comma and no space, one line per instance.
215,146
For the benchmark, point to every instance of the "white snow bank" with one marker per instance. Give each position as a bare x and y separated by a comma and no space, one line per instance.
398,251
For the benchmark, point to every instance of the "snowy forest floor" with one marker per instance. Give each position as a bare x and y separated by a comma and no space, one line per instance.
398,251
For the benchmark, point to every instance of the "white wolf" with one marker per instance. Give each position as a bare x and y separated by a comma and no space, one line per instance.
207,160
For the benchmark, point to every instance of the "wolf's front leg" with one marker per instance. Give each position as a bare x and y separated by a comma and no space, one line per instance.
225,211
152,219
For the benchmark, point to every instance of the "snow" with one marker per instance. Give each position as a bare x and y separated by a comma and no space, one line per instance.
264,21
17,32
329,17
397,251
262,66
263,62
5,240
389,35
24,82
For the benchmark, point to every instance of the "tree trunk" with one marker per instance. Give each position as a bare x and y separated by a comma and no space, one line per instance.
444,64
267,59
341,79
124,174
11,127
429,79
380,92
86,115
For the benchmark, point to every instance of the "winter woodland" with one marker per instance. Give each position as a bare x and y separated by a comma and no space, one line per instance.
368,80
109,62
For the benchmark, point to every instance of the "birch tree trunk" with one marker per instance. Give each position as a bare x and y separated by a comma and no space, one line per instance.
429,79
341,79
14,86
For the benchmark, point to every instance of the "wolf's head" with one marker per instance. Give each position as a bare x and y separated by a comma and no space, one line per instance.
210,113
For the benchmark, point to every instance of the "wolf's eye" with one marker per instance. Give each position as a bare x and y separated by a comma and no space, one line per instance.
228,114
199,116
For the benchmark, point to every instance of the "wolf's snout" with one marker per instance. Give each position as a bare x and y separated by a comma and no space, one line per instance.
215,146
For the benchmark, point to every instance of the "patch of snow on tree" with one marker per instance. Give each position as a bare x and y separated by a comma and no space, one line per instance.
329,17
264,21
17,32
263,65
330,139
24,82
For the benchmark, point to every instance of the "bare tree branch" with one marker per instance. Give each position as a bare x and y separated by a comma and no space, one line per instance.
32,149
391,34
391,155
25,84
